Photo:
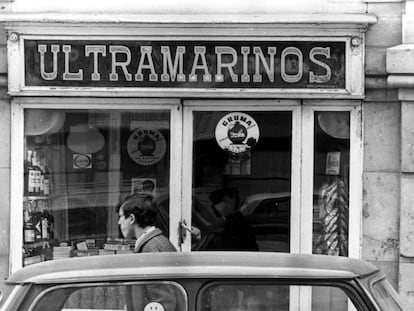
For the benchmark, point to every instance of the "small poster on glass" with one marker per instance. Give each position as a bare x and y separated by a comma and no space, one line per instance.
333,160
144,186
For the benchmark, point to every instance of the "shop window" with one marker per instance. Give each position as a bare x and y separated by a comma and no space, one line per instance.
78,165
331,182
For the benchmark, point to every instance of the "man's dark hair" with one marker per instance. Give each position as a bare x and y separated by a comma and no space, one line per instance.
134,204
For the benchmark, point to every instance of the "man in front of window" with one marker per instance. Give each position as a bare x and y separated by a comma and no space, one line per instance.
136,221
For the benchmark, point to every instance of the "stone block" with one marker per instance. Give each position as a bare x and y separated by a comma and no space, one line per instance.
384,95
376,1
390,269
346,6
4,210
4,274
4,133
407,216
386,32
406,94
3,35
406,284
407,137
380,227
381,137
408,33
388,8
400,59
3,59
375,60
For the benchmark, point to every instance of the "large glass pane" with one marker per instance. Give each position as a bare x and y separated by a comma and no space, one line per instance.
79,164
144,296
331,183
242,296
242,180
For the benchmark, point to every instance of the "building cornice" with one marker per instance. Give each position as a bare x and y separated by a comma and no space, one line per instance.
317,19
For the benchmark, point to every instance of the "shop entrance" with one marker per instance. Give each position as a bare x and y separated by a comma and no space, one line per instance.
241,189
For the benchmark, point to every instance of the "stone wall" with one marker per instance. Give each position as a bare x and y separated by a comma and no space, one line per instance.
400,76
382,151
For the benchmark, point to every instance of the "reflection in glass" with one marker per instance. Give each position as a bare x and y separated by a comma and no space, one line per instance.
78,165
244,296
331,183
142,296
242,180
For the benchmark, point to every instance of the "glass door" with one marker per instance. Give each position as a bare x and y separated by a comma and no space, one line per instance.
242,175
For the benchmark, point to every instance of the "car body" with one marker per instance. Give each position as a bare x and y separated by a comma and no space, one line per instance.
202,281
269,217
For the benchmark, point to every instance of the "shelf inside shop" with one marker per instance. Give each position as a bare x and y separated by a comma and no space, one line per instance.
39,197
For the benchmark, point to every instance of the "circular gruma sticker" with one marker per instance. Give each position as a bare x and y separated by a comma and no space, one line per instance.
237,132
146,146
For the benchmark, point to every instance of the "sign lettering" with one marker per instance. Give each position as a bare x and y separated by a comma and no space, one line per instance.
185,64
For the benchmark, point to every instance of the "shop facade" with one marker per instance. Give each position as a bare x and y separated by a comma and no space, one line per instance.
273,110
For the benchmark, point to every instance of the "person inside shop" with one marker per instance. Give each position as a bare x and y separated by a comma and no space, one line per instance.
236,234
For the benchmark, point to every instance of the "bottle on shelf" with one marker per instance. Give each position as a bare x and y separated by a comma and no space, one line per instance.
30,174
50,222
38,174
44,219
47,184
28,228
37,221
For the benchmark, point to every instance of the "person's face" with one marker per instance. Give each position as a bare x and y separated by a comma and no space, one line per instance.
126,224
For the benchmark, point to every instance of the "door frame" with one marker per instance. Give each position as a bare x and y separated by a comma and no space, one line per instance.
190,106
302,163
355,170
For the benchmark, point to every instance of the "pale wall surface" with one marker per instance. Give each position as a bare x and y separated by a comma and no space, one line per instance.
4,186
382,145
4,155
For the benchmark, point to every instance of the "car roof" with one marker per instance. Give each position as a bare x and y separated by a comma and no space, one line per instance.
192,265
270,195
252,201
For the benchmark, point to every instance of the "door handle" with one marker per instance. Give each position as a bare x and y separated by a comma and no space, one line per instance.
182,231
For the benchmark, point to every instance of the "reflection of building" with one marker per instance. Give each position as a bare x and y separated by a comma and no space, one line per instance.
336,80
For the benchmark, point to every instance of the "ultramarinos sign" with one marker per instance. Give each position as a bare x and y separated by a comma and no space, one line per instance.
185,64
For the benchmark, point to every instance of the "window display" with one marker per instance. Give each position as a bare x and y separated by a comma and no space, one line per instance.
245,192
79,164
331,180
